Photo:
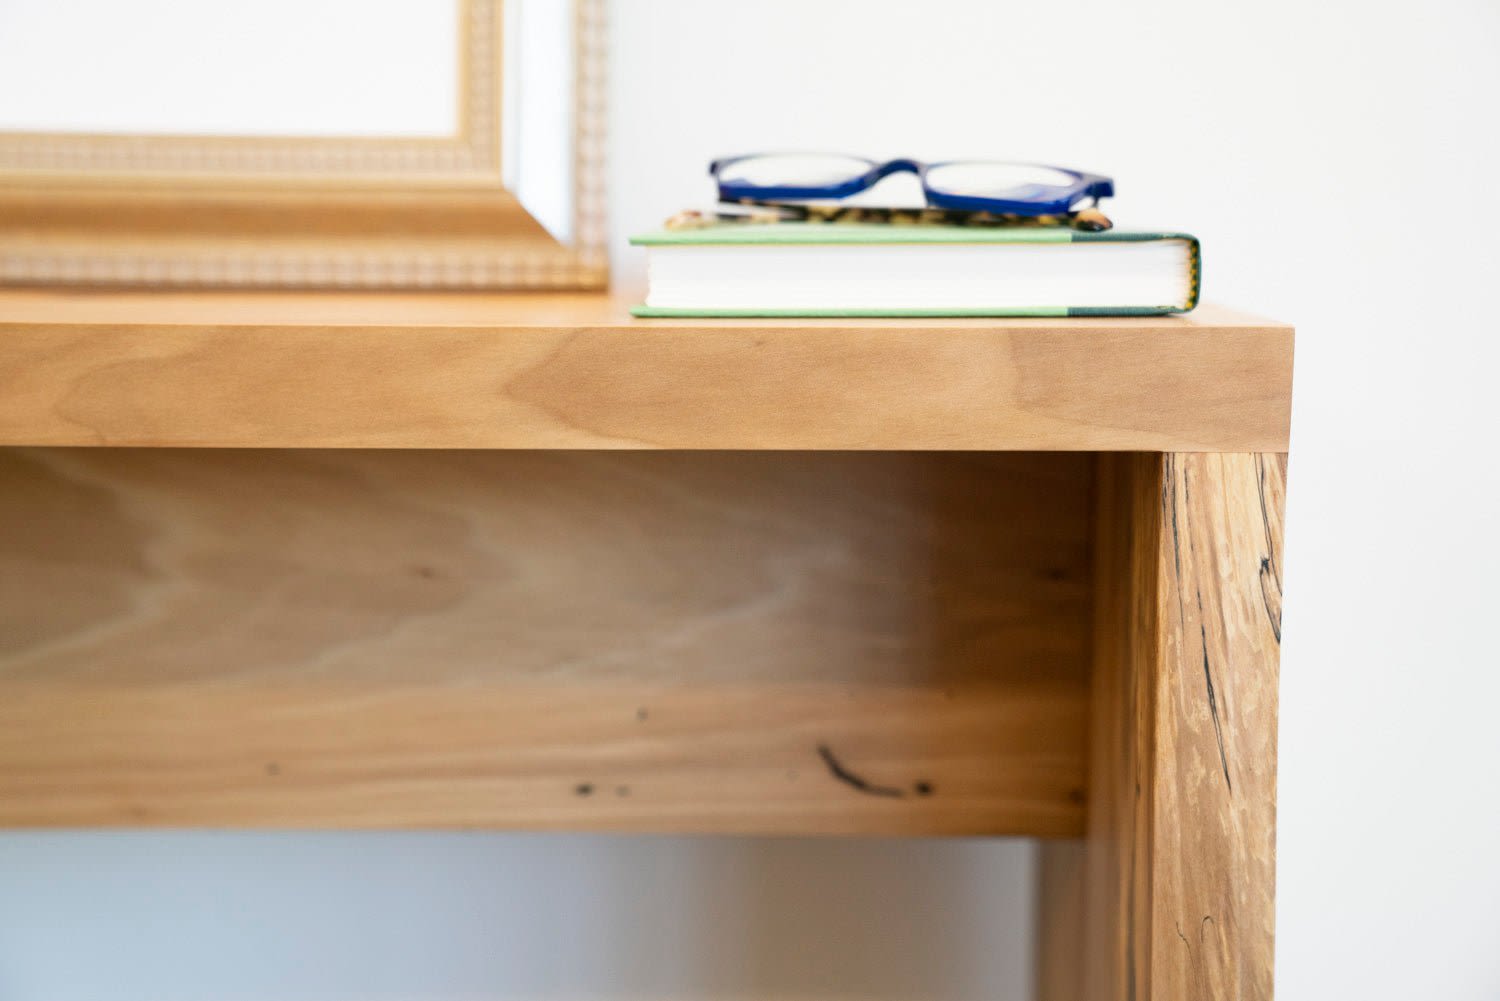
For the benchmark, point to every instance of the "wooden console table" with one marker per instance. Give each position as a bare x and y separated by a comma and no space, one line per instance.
470,561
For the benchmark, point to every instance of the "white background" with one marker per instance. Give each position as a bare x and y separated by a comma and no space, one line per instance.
1337,160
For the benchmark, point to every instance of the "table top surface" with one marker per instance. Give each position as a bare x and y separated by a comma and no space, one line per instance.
575,370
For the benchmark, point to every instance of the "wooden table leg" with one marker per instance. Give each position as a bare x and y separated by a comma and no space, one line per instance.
1178,867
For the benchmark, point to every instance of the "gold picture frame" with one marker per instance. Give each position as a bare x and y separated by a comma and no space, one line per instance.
296,211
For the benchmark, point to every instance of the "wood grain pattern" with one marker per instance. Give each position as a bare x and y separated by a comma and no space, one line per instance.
1117,892
774,642
1181,843
1214,833
410,371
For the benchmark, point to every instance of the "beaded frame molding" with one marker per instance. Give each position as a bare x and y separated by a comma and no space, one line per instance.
356,212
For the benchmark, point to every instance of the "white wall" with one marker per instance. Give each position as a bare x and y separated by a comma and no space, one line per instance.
1336,159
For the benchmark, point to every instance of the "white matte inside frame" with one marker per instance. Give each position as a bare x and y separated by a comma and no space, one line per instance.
333,68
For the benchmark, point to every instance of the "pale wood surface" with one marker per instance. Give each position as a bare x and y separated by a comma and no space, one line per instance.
610,641
1117,892
1180,870
1214,822
575,371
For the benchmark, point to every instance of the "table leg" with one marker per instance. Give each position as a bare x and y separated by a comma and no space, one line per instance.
1178,870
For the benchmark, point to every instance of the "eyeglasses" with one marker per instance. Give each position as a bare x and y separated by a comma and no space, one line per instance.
1022,189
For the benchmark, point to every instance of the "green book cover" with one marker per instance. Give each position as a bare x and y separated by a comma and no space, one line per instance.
834,234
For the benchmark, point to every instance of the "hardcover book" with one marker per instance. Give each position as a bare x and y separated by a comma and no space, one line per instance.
855,269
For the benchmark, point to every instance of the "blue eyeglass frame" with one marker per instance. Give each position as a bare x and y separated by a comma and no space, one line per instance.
1051,200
